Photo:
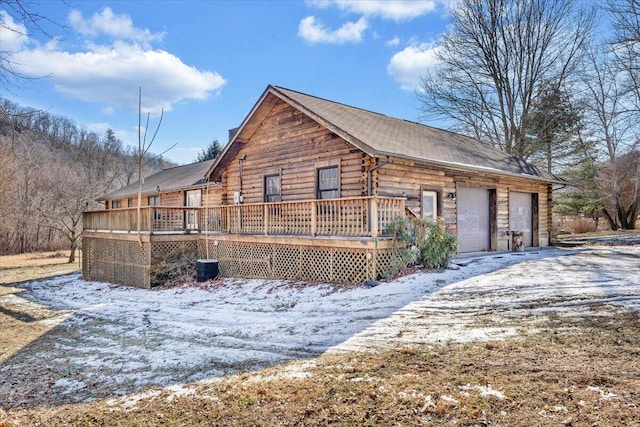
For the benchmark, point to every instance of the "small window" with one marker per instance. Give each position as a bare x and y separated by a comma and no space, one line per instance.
116,204
130,202
193,198
154,201
328,183
272,188
430,205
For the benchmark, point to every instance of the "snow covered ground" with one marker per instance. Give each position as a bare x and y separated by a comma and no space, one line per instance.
113,340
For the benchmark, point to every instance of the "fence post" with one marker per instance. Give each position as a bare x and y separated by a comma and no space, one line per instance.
265,213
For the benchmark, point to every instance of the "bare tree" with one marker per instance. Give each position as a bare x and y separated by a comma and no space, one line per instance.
26,18
494,60
143,149
615,127
625,48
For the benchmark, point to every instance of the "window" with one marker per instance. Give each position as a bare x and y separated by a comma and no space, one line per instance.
328,183
430,205
116,204
130,202
193,198
155,201
272,188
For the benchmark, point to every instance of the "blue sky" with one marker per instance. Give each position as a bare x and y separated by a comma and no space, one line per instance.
207,62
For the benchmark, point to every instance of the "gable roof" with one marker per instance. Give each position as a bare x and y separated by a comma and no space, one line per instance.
380,136
175,178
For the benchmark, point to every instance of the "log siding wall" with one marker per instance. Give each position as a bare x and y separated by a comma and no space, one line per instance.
411,178
294,146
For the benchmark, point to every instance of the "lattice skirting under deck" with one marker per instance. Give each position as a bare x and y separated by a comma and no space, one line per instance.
116,261
275,261
126,262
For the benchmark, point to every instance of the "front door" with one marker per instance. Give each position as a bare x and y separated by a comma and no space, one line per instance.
521,216
193,199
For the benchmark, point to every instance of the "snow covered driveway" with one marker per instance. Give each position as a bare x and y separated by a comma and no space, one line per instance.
114,340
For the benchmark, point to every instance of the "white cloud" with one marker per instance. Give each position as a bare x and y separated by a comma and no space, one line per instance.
13,35
313,31
397,10
113,25
406,66
111,74
394,42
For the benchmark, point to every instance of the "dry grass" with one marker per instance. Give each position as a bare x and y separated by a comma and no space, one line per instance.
574,371
604,233
22,267
22,321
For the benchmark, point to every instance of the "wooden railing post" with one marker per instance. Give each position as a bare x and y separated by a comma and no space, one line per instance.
314,217
265,216
374,217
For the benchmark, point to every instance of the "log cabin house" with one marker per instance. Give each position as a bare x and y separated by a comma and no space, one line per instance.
305,189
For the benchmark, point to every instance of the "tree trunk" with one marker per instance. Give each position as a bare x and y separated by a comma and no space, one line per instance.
74,246
610,220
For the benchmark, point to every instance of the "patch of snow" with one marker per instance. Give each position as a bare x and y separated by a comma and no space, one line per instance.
483,390
449,399
603,394
179,390
131,401
69,386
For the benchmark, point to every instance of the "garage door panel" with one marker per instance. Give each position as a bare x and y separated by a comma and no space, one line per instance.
473,219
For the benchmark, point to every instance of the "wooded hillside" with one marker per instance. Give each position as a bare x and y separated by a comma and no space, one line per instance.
51,170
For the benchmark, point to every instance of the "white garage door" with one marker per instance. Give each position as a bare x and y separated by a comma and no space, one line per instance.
473,219
520,216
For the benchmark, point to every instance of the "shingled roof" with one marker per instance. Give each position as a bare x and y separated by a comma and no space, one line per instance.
379,135
175,178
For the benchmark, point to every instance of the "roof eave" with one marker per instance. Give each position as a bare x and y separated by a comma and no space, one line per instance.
468,167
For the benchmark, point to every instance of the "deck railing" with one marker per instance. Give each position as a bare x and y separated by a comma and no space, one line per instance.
360,216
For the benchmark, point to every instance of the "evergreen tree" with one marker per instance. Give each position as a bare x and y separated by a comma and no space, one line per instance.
212,151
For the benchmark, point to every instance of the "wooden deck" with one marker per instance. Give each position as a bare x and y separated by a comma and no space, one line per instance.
339,240
349,217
